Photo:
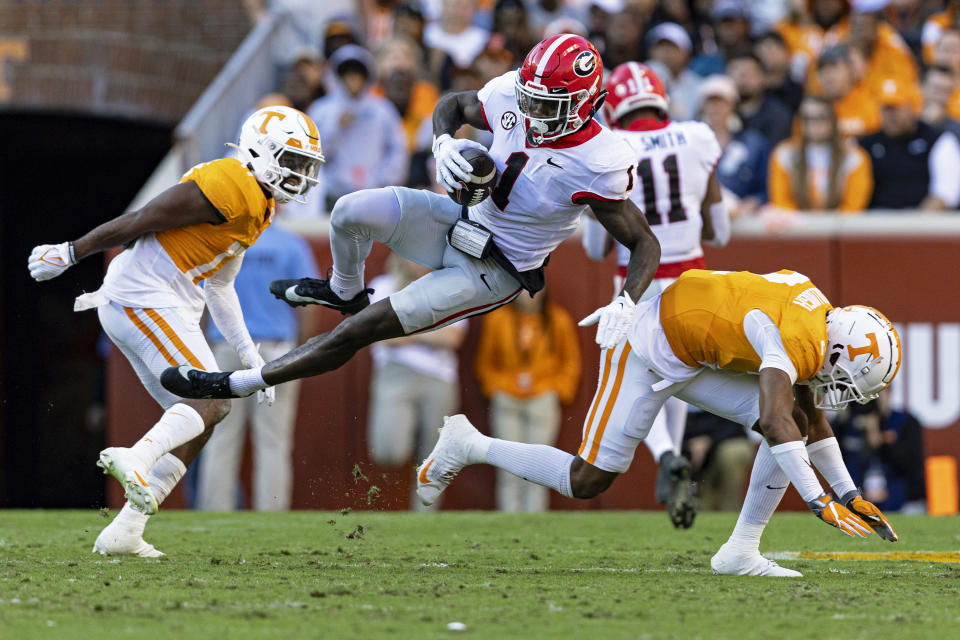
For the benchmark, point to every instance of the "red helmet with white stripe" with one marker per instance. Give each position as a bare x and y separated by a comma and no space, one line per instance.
632,86
559,87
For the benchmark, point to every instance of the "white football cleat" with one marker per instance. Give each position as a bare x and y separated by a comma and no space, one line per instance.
449,456
128,469
729,562
116,540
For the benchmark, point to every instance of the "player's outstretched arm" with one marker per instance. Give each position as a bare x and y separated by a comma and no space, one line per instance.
783,435
179,206
824,452
627,224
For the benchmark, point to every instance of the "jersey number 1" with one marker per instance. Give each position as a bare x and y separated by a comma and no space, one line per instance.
515,164
645,173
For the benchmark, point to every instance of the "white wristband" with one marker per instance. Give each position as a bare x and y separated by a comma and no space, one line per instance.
792,458
826,457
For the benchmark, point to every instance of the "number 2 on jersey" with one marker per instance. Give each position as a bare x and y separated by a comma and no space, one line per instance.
515,164
645,173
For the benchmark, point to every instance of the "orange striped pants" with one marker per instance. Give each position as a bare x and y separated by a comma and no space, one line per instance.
630,395
154,339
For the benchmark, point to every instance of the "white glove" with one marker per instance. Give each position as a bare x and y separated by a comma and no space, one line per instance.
615,321
452,169
50,260
251,359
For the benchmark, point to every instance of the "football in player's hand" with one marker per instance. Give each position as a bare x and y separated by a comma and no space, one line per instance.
482,178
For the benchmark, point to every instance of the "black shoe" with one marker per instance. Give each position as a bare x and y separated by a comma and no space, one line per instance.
671,467
682,505
303,291
190,382
676,490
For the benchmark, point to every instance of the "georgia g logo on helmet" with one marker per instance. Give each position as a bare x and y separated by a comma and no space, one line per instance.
584,64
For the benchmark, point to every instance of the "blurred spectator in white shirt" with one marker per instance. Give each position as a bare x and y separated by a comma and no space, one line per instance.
455,34
362,134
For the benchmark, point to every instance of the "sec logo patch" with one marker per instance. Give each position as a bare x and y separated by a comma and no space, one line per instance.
508,120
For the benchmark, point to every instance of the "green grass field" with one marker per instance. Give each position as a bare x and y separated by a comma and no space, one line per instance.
376,575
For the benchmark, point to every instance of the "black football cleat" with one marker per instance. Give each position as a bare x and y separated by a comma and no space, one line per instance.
676,490
303,291
189,382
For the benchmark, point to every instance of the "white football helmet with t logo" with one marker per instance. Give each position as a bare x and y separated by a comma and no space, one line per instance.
862,358
281,146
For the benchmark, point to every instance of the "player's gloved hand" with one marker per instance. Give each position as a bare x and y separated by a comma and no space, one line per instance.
50,260
614,320
870,514
452,169
837,515
252,359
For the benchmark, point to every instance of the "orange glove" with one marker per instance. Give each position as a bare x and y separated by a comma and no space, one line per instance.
837,515
869,513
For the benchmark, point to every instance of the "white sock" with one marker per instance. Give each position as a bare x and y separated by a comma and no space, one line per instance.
675,412
246,381
539,463
825,455
768,483
163,477
179,425
346,286
792,458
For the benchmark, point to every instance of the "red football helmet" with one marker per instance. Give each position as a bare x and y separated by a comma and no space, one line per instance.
631,86
559,87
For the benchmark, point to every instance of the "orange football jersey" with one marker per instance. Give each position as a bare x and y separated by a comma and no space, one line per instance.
201,249
702,317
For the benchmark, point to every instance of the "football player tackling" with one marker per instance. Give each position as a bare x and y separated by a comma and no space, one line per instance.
150,303
678,191
554,160
733,344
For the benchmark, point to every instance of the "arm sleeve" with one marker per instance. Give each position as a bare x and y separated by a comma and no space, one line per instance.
594,238
859,182
224,307
944,160
764,337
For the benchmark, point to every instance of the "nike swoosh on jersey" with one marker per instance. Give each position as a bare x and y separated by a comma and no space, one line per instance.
483,277
553,164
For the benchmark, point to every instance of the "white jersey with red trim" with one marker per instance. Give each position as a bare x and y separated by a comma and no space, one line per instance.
535,204
674,161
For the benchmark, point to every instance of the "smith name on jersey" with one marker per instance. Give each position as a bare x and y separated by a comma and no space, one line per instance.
674,164
164,269
539,198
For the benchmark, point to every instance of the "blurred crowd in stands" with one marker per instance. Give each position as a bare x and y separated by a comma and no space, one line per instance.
819,105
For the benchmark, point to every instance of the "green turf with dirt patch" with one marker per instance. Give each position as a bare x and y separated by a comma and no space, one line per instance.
587,575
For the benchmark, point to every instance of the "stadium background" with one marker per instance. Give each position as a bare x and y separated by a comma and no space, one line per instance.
90,95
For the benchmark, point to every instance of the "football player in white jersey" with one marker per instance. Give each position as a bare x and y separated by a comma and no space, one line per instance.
554,160
150,303
678,191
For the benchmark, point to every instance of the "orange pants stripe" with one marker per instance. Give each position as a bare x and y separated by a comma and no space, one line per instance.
604,375
608,407
145,330
173,337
